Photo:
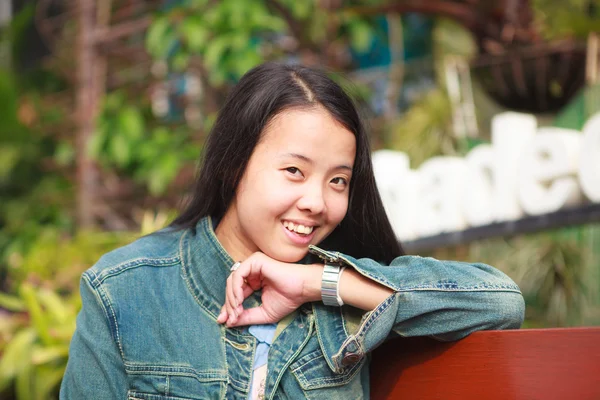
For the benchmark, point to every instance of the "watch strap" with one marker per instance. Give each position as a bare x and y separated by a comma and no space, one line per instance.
330,285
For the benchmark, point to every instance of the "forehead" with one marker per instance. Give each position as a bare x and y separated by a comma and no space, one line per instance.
311,132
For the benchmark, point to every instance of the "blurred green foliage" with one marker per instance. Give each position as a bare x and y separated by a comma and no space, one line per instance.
230,37
126,141
559,19
38,319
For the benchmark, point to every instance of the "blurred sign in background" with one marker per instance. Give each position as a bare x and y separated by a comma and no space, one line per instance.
104,107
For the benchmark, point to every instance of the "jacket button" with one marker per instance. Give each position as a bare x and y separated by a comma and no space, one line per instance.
350,359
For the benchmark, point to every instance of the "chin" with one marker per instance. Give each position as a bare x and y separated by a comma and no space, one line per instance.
292,256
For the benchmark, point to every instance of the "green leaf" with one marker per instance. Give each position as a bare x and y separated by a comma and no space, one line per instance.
11,303
131,123
55,306
180,61
120,150
24,382
157,35
64,154
215,51
9,157
195,33
157,182
43,355
361,35
47,380
38,317
16,356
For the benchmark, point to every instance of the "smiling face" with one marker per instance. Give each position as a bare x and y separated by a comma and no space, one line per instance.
295,189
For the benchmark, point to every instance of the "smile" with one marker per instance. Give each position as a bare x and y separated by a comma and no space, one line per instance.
301,229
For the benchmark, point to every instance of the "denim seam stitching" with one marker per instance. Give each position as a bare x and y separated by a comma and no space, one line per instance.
387,283
188,279
489,288
104,298
379,279
134,263
287,364
239,385
198,377
362,331
364,327
309,357
224,349
334,366
341,379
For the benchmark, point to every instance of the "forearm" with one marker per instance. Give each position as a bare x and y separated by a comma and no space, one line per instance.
355,289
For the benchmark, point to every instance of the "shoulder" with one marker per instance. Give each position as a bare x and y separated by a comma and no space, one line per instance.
157,250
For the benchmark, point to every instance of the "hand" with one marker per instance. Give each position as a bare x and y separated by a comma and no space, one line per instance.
285,287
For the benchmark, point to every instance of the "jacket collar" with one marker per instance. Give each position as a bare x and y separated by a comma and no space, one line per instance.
206,266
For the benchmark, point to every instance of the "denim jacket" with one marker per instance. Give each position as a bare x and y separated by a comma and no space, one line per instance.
148,329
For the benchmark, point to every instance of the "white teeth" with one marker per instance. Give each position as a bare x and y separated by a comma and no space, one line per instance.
305,230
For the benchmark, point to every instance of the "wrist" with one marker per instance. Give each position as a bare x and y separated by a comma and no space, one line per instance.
312,283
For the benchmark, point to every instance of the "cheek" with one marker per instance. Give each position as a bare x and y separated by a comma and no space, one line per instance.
337,208
266,197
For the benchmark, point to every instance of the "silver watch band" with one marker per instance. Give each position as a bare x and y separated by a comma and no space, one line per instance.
330,282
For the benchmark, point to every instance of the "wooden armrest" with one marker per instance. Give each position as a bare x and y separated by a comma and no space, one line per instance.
517,364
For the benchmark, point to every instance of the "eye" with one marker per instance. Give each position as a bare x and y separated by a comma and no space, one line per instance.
294,171
339,181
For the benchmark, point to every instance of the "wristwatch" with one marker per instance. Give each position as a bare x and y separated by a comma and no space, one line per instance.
330,285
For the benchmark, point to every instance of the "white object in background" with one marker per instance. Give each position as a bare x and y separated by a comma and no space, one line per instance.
511,132
589,163
441,186
548,180
478,195
398,190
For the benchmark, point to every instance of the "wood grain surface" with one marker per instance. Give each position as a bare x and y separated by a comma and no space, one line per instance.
519,364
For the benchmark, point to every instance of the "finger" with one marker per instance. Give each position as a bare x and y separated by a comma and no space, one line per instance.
240,308
229,306
253,316
235,306
241,289
247,290
248,273
230,294
222,316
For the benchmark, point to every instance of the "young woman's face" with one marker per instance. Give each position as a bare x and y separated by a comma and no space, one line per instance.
295,189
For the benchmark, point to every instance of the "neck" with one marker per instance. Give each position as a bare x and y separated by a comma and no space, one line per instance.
229,233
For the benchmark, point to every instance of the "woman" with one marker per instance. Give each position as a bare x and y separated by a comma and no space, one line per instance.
228,303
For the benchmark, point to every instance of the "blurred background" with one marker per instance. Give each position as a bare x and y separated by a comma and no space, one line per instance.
105,105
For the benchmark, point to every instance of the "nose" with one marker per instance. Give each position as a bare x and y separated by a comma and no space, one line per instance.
312,199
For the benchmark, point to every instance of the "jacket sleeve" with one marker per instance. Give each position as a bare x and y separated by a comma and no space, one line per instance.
95,369
446,300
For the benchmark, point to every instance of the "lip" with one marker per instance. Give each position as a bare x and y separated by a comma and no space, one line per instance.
296,238
301,222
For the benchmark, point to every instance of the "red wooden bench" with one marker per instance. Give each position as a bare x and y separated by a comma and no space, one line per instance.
524,364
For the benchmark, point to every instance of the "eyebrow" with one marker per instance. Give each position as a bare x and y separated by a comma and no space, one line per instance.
308,160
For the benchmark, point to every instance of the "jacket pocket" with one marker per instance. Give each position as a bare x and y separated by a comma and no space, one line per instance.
312,372
174,382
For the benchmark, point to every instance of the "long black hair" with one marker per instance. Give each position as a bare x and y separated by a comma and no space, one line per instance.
260,95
